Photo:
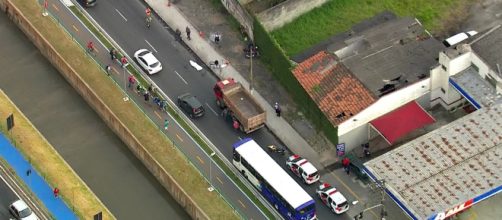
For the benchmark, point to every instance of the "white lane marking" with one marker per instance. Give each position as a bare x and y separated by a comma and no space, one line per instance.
121,15
212,109
21,191
151,46
181,77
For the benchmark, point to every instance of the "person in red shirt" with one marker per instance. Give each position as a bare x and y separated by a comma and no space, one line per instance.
148,12
90,46
346,165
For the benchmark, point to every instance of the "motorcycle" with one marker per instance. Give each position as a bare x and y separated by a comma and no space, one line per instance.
276,149
251,51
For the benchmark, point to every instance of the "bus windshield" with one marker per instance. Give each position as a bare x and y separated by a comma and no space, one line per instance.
307,209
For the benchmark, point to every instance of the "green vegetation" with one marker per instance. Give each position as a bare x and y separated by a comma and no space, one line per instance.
337,16
280,67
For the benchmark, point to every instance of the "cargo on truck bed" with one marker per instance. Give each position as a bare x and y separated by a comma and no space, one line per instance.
241,106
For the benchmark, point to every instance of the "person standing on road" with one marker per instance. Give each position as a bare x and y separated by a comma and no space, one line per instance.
131,81
113,54
346,165
123,60
277,109
147,96
90,47
188,33
108,69
178,34
166,124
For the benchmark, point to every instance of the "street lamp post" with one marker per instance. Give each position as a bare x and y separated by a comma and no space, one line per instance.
251,69
126,98
210,174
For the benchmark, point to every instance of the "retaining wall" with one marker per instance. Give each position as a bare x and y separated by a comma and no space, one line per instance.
281,14
103,111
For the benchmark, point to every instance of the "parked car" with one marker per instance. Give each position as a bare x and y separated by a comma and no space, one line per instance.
87,3
191,105
21,211
303,169
148,61
332,198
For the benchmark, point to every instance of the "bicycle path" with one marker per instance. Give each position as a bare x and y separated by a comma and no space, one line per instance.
27,173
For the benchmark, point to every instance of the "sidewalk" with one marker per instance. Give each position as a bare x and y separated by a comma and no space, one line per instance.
204,48
34,181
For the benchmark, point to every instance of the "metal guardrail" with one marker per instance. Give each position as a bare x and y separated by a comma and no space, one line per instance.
187,121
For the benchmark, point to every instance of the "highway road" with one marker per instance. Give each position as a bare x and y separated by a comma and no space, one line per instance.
97,155
124,22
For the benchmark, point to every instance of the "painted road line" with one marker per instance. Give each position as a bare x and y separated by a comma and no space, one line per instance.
55,7
212,109
200,159
115,71
156,113
242,204
181,77
219,180
121,15
76,29
351,192
240,139
179,137
151,46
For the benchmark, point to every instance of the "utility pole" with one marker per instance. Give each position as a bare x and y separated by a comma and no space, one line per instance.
251,69
383,213
380,184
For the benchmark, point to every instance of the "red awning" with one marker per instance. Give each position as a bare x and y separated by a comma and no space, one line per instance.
402,121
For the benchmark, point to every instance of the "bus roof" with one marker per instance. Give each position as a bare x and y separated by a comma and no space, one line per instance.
272,172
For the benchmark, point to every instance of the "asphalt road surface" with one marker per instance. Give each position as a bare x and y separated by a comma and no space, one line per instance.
107,166
7,196
124,22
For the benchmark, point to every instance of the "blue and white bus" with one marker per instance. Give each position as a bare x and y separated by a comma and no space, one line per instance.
272,181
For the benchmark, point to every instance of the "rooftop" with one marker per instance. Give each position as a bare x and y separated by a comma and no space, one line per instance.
337,92
447,166
480,89
488,47
398,49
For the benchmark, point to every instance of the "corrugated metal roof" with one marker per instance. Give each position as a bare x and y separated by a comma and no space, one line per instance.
445,167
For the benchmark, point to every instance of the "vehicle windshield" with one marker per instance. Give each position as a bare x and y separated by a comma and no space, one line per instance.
25,213
153,65
341,205
313,174
143,53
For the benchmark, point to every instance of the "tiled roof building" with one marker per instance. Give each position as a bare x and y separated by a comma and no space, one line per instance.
337,92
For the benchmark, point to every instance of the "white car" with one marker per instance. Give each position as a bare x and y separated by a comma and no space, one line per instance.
21,211
148,61
303,169
332,198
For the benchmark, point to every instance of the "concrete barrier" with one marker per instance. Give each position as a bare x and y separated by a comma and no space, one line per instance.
169,183
285,12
